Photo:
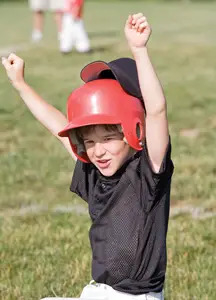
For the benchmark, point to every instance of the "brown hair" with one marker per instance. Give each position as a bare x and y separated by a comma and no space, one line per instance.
80,131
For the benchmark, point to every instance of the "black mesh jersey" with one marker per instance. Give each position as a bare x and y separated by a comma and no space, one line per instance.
129,213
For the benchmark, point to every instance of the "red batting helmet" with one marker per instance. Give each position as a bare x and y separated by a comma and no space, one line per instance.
103,101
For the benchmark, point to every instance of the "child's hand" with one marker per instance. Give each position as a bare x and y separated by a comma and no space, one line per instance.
14,67
137,31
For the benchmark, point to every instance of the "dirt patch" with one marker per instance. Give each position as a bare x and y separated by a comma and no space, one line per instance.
34,209
195,212
190,133
5,51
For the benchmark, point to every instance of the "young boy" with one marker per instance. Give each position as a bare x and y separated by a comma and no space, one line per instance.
123,171
73,30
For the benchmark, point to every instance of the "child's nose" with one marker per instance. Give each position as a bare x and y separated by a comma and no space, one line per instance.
99,149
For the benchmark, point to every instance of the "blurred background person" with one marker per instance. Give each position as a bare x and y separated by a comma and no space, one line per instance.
38,8
73,30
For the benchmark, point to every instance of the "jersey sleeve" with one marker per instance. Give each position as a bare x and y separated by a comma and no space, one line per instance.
155,184
79,184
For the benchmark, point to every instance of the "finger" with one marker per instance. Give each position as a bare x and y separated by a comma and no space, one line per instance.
129,21
13,57
5,63
140,20
143,26
136,17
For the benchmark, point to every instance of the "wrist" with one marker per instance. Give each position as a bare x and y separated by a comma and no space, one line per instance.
19,85
139,51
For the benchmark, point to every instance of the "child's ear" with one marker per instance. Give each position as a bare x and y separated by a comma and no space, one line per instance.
141,143
125,140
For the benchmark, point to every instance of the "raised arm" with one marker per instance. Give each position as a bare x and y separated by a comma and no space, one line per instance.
138,31
46,114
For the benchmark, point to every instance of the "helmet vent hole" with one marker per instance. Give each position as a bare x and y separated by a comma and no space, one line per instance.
138,131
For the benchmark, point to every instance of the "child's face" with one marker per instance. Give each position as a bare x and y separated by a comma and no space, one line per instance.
106,149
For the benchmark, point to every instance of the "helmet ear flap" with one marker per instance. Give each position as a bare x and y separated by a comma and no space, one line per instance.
134,133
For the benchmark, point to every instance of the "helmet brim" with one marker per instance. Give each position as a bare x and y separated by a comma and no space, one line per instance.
88,120
123,69
92,71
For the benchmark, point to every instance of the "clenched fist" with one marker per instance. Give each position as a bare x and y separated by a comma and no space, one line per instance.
137,31
14,67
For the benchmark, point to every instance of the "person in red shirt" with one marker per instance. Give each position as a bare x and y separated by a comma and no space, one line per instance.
73,30
75,7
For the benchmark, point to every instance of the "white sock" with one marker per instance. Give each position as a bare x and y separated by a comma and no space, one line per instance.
36,35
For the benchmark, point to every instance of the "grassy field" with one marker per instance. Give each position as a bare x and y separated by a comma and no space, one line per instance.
44,248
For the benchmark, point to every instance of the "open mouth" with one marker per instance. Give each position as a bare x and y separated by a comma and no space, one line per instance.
103,163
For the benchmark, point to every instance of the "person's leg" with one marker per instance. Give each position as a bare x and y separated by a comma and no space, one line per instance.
57,7
67,34
82,43
38,7
38,18
58,20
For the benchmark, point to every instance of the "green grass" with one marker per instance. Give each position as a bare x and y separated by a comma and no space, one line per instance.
45,251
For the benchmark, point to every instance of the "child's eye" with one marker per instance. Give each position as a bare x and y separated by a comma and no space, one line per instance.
88,142
108,139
